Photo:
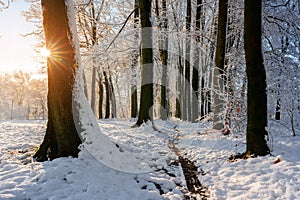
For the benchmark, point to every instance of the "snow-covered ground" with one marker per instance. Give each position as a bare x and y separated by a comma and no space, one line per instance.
87,178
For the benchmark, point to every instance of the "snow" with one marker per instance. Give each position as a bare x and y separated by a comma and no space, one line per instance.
88,177
95,142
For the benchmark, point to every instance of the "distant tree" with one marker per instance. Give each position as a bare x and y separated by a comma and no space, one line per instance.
21,80
146,99
186,110
196,68
100,92
38,98
108,95
163,50
179,66
256,95
94,38
61,137
17,95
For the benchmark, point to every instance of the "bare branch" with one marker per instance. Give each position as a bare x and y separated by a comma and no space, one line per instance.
121,29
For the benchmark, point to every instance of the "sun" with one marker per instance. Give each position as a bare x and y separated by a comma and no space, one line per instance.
45,52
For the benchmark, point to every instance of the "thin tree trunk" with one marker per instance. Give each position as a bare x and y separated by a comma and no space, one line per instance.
200,22
210,64
163,49
229,82
179,77
180,85
107,95
121,111
134,106
196,67
179,71
134,101
187,86
100,104
113,98
93,87
94,71
85,85
219,103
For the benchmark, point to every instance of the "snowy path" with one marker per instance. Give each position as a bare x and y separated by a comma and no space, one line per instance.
190,171
86,178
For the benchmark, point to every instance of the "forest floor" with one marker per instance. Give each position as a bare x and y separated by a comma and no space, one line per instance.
205,153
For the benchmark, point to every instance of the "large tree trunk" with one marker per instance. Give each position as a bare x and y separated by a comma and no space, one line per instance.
219,102
257,97
146,100
61,137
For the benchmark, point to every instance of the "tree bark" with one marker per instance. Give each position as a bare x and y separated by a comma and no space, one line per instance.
61,137
86,93
107,95
112,97
196,67
94,67
221,35
187,91
256,74
164,61
180,85
220,66
135,57
146,100
100,92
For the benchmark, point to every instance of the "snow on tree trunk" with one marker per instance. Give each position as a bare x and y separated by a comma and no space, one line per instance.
94,141
61,139
146,99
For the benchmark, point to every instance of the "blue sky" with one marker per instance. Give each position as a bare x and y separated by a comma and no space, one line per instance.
16,52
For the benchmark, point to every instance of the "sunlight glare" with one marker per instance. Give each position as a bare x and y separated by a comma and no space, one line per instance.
45,52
